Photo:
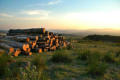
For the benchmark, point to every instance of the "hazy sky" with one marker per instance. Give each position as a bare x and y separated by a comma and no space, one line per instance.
60,14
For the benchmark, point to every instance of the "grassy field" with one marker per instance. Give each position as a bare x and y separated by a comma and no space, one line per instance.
84,60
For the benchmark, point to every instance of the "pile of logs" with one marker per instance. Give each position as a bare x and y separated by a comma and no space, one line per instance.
45,41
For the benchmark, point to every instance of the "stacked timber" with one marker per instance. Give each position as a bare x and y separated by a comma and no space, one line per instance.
40,41
16,48
34,31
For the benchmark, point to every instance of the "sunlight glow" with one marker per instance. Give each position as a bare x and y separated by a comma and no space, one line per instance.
110,18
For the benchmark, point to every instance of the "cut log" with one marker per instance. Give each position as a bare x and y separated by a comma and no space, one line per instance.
37,37
17,52
25,47
5,46
11,50
13,44
28,39
40,50
30,53
33,44
45,50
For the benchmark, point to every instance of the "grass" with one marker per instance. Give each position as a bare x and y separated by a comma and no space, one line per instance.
5,60
83,55
109,57
86,60
20,70
95,66
39,62
61,57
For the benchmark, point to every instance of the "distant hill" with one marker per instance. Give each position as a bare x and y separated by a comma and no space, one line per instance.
84,33
90,32
106,38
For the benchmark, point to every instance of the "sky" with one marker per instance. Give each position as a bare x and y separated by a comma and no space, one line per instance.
60,14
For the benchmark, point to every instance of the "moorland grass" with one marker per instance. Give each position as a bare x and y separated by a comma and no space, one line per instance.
39,62
95,66
4,63
61,56
83,55
96,59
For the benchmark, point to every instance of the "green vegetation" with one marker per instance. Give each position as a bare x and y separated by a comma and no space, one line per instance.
103,38
61,57
95,66
83,60
39,62
4,62
84,55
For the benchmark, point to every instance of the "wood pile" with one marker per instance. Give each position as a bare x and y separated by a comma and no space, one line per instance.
45,41
33,31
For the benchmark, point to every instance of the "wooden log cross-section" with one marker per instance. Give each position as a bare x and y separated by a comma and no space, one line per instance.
11,50
17,52
26,47
40,50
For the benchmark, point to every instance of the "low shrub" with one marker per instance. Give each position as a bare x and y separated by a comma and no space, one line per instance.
95,65
109,57
39,62
4,63
98,69
118,54
61,57
32,73
13,73
29,73
83,55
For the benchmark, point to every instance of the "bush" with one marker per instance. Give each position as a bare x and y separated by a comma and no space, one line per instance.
95,66
109,57
97,69
29,73
118,54
4,63
32,73
13,73
39,62
61,57
25,71
83,55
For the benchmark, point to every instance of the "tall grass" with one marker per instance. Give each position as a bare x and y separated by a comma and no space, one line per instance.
35,71
95,64
39,62
4,64
61,56
109,57
83,55
32,73
29,73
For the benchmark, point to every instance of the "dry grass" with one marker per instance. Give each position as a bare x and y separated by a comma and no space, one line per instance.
90,61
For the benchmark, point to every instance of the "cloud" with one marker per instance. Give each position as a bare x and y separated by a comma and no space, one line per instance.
6,15
32,18
54,2
102,18
36,12
34,15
